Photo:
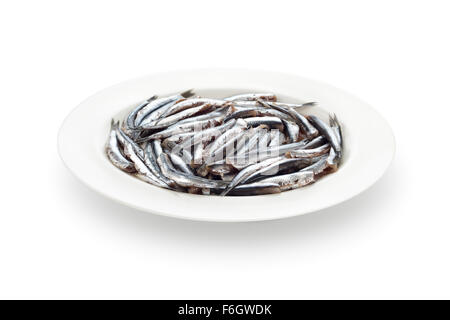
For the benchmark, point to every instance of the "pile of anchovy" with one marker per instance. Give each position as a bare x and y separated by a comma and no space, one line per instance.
247,144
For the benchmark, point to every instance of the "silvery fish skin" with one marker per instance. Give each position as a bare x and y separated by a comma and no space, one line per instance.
238,127
126,140
159,103
292,180
142,168
255,103
113,151
179,164
279,166
252,96
177,129
252,140
271,122
257,111
130,122
170,120
316,142
292,130
186,180
244,173
304,124
308,153
210,115
321,165
192,103
270,152
328,133
151,162
205,135
255,189
276,138
227,146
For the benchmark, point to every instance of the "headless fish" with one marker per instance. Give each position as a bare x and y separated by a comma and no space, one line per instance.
113,151
328,133
255,189
292,180
187,180
157,104
252,96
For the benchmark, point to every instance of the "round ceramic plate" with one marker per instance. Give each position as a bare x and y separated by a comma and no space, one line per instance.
368,145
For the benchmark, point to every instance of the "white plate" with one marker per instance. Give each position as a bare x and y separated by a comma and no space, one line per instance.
368,142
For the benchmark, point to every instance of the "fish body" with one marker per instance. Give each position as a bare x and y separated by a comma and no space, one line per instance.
252,97
114,153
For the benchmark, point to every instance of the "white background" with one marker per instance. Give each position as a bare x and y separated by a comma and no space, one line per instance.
60,240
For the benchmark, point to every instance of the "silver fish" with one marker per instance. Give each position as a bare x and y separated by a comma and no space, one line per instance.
304,124
130,122
186,180
328,133
195,102
170,120
292,130
159,103
308,153
238,127
271,152
252,96
316,142
126,140
179,164
209,115
271,122
292,180
244,173
255,189
281,165
255,103
142,168
151,162
113,151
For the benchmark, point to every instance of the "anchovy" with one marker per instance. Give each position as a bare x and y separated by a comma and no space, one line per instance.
271,152
316,142
142,168
292,180
271,122
244,173
186,180
255,103
130,122
304,124
113,151
126,140
292,131
252,96
308,153
159,103
328,133
238,127
191,103
255,189
257,111
151,161
284,164
170,120
180,164
210,115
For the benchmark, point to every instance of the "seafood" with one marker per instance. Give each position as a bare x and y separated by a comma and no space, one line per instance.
245,145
